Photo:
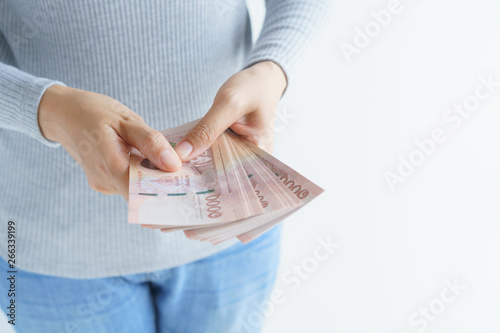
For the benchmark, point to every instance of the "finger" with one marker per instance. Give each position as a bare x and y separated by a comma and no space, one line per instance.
101,186
261,137
122,186
258,128
118,167
220,117
121,181
151,144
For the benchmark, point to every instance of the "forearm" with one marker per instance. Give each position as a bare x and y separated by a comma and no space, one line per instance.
290,28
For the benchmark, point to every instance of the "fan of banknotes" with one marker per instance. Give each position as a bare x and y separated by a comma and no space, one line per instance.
234,189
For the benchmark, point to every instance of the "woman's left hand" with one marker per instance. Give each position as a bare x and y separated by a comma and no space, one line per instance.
246,103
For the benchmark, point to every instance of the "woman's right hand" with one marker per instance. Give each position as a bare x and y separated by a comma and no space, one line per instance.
98,132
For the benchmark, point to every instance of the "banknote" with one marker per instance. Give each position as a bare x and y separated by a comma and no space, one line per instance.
274,195
300,186
295,184
204,191
234,189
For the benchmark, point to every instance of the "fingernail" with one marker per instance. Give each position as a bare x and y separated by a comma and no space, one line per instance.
184,149
168,159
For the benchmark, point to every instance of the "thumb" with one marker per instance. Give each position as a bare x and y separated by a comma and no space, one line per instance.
153,145
206,131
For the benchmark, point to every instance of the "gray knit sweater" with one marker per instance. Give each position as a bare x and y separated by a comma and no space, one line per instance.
164,59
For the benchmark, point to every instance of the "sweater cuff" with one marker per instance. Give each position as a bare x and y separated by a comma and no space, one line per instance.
20,95
256,58
290,30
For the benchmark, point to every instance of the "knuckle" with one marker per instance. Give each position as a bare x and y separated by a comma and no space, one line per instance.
118,107
266,134
203,133
108,168
102,167
232,98
114,166
92,185
130,117
127,122
96,186
105,125
151,139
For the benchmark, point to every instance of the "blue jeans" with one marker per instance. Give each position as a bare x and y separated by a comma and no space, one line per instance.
220,293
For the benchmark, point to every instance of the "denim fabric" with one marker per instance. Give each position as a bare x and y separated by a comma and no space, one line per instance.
216,294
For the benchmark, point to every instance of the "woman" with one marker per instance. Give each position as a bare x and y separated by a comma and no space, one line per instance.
85,81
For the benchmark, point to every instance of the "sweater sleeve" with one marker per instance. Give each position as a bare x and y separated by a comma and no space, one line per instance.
290,28
20,95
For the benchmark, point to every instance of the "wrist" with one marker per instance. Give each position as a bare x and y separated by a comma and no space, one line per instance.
49,110
274,72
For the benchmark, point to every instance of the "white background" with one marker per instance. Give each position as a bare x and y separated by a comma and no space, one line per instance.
350,123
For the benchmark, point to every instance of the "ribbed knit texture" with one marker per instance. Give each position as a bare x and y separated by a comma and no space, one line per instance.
163,59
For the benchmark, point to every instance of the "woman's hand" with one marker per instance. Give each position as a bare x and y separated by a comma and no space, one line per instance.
98,132
246,103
